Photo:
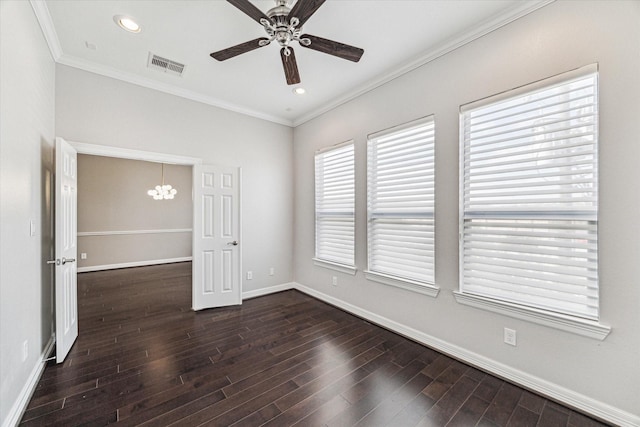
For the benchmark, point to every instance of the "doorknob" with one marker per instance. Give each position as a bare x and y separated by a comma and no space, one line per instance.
54,261
234,243
66,260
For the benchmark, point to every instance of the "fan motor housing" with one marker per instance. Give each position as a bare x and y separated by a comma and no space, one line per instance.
280,11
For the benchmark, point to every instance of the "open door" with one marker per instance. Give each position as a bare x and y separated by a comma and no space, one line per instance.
216,236
66,285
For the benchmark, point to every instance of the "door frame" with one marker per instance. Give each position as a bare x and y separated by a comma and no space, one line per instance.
150,156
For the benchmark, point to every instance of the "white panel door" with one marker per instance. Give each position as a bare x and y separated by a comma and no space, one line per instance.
66,285
216,236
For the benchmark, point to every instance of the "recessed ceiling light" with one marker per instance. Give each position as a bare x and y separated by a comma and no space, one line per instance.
127,23
299,91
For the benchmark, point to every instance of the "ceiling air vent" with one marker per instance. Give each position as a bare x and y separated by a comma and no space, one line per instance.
165,65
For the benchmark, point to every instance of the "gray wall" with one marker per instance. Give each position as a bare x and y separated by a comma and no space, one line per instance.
559,37
26,154
100,110
113,200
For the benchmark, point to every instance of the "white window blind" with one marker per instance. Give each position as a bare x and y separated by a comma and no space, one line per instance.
400,202
529,196
335,200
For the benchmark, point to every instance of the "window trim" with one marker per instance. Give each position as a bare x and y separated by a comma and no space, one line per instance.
403,283
328,263
576,325
421,287
343,268
567,322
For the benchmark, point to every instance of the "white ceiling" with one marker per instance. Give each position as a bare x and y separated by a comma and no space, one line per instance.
396,35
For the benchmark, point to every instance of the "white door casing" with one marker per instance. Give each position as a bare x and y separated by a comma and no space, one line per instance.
216,237
66,285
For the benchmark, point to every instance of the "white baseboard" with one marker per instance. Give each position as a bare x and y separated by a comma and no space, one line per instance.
268,290
132,264
554,391
19,406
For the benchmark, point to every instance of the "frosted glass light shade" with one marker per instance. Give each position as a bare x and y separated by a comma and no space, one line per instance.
164,191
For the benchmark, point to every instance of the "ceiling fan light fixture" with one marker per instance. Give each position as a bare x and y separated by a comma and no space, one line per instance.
283,24
127,23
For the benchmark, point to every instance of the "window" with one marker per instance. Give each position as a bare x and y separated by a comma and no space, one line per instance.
335,200
529,196
400,205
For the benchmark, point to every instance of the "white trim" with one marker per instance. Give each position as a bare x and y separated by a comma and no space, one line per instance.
126,232
564,77
103,70
421,121
240,234
410,285
48,30
132,264
268,290
20,405
554,391
343,268
521,9
566,323
126,153
335,146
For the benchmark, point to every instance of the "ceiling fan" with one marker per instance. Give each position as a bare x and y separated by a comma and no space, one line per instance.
284,25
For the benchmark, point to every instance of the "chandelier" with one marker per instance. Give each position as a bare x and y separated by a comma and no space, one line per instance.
163,191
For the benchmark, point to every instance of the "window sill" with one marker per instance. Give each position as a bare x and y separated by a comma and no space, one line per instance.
587,328
410,285
343,268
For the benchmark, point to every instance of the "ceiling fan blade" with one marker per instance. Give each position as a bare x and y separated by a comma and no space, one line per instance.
236,50
340,50
303,9
290,66
248,8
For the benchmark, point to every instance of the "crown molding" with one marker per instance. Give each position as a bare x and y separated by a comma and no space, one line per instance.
103,70
48,30
488,26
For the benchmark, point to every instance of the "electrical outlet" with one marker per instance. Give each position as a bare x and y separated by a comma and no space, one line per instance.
249,275
83,255
272,271
334,281
25,350
510,336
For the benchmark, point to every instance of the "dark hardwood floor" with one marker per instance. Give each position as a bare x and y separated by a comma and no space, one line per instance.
143,357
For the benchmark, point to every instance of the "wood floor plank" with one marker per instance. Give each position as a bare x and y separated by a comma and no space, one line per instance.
379,388
382,414
470,412
446,408
179,395
143,357
503,404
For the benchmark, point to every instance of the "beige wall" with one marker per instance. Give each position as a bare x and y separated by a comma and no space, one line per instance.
27,91
119,224
564,35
